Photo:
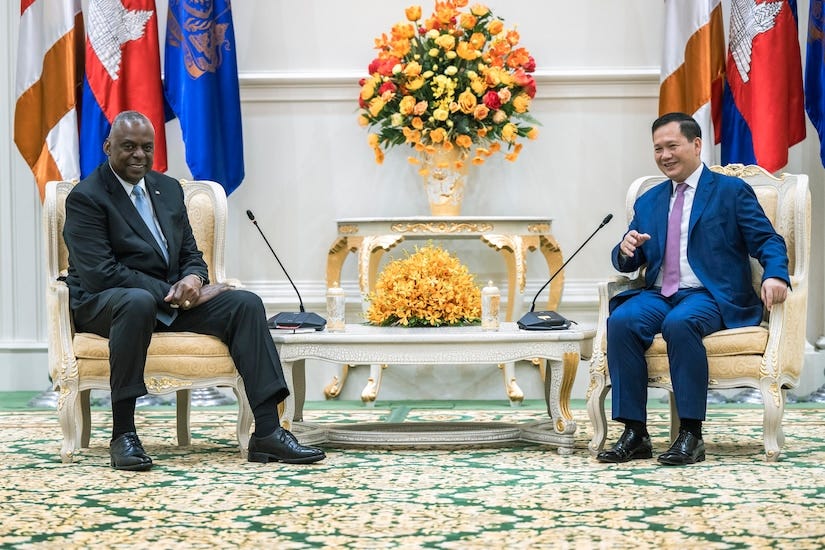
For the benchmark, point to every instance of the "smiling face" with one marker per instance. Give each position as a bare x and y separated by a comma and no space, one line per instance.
131,148
676,155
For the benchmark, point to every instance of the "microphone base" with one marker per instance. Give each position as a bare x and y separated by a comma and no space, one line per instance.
543,320
299,320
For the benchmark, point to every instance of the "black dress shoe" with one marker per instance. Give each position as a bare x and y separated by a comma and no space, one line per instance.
631,445
687,449
281,446
127,453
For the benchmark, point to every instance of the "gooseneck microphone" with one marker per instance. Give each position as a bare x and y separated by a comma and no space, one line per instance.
550,320
289,320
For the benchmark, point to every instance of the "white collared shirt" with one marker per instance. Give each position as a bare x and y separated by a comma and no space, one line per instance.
687,278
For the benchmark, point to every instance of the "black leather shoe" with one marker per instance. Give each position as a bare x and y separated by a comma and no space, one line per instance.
630,446
127,453
687,449
281,446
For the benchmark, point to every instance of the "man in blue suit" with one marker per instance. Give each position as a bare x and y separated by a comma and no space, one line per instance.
694,234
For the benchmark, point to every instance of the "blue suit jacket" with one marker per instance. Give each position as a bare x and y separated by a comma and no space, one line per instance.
727,225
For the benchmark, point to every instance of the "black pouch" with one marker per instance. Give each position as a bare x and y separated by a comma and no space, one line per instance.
544,320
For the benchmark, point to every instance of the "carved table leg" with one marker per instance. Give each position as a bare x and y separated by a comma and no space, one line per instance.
557,389
514,393
333,389
370,392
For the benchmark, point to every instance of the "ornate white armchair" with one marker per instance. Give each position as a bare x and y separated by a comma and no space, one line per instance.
177,361
767,357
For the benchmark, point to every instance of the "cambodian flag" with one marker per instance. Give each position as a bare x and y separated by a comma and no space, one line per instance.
201,87
815,73
763,108
122,74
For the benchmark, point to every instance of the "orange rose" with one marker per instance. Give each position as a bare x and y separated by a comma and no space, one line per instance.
467,21
480,112
420,108
412,69
466,51
533,133
464,140
379,155
495,27
513,37
467,101
479,10
406,106
477,40
417,123
460,3
413,13
438,135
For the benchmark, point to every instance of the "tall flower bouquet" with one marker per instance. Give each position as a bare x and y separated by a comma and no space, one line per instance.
429,288
457,79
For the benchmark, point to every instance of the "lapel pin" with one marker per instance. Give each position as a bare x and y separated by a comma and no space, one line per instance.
157,192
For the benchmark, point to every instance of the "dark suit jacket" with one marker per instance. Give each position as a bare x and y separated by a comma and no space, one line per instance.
727,225
110,245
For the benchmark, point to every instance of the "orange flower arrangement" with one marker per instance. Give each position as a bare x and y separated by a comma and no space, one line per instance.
457,79
429,288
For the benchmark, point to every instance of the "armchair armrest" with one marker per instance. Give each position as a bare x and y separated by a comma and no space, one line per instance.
62,363
784,353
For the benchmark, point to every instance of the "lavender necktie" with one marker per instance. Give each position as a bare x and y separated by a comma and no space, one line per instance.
670,279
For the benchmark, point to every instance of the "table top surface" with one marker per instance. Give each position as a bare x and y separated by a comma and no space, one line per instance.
446,219
361,333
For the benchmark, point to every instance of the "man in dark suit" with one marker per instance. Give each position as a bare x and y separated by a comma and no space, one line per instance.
694,234
135,269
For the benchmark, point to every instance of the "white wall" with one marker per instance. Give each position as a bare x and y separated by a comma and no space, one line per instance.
307,161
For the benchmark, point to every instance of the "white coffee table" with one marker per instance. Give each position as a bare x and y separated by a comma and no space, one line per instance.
361,344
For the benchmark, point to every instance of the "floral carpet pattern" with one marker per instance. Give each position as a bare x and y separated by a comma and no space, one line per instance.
526,496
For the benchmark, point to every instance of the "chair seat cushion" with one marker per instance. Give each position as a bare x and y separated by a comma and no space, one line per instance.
183,353
736,341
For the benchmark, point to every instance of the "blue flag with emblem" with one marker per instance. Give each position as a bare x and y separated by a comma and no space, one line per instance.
201,87
815,72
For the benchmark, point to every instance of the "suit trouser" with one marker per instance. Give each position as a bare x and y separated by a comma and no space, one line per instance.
683,319
236,317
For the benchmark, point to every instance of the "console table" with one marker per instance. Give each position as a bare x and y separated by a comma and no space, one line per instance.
362,344
512,236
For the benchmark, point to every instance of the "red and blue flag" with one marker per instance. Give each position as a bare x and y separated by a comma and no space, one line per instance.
122,73
763,106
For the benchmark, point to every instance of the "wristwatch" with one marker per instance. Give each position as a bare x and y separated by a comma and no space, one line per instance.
201,279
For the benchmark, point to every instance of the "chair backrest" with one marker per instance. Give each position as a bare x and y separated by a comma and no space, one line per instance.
786,202
205,204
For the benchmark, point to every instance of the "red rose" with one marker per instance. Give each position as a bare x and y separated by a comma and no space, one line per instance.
387,87
362,82
383,66
530,66
525,81
492,101
361,103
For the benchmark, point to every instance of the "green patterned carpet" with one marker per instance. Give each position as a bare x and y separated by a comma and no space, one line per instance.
527,496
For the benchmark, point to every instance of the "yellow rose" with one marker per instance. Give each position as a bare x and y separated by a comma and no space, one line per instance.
362,120
407,105
479,10
372,139
509,132
464,140
413,13
467,101
521,103
438,135
414,84
375,106
504,95
412,69
441,114
446,42
397,119
480,112
495,27
433,52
